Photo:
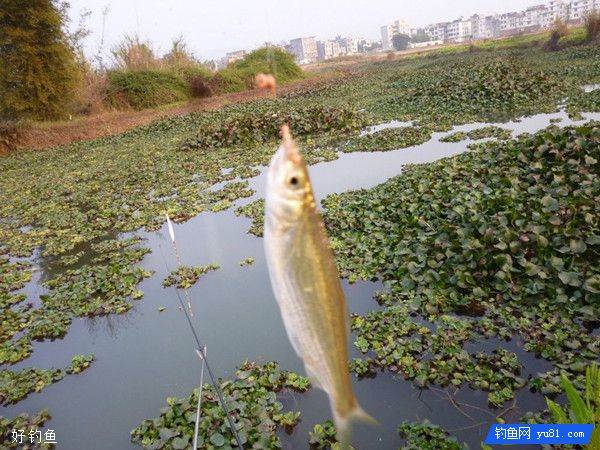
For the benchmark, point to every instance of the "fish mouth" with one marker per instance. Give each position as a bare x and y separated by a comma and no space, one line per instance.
286,153
291,151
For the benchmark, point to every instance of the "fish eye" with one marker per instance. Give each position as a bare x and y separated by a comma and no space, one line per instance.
294,180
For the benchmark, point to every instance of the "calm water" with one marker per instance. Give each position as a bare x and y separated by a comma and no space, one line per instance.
144,356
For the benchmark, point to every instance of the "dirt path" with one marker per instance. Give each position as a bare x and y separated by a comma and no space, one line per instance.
48,135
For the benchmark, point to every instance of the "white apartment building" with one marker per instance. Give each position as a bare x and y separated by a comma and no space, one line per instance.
484,27
437,31
304,49
389,31
460,30
581,8
348,44
328,49
535,16
487,27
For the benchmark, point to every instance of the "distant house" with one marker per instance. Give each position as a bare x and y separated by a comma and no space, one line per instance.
329,49
389,31
304,49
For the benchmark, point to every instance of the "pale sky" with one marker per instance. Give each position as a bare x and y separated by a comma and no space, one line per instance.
212,28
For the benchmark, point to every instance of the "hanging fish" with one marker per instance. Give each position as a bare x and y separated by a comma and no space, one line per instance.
306,283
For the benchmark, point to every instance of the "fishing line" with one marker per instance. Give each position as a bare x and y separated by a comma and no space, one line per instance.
199,407
201,352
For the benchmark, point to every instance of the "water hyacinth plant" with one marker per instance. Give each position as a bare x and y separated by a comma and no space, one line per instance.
252,400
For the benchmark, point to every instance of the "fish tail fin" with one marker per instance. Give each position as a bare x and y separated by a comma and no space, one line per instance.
343,425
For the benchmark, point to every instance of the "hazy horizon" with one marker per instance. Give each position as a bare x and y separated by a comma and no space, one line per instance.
212,29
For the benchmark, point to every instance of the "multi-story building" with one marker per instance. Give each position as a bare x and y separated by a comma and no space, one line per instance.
459,30
581,8
367,45
328,49
487,27
389,31
349,45
512,22
304,49
484,27
535,16
437,31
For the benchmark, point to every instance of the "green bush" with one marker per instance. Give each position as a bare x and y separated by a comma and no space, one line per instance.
240,75
198,77
267,60
145,89
227,80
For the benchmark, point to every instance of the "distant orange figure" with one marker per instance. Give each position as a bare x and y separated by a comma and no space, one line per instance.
266,81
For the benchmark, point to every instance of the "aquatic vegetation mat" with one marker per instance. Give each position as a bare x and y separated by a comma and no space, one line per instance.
479,133
16,385
387,139
185,277
253,127
255,211
434,358
251,399
505,228
426,436
26,423
322,435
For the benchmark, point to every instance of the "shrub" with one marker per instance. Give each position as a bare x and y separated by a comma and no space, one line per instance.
592,26
91,92
198,77
145,89
558,31
227,80
240,75
10,134
267,60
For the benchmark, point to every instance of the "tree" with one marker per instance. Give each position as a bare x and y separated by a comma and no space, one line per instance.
558,31
420,37
401,41
38,72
